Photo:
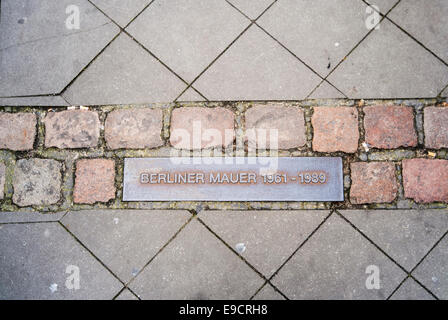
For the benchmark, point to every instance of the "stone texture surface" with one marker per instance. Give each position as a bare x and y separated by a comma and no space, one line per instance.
37,182
268,293
394,58
433,270
411,290
405,235
425,180
72,129
326,91
196,266
95,181
121,11
373,182
288,121
134,128
390,127
2,180
188,34
268,237
17,131
25,217
34,101
126,295
436,127
332,265
35,257
251,8
124,74
335,129
125,240
257,68
196,127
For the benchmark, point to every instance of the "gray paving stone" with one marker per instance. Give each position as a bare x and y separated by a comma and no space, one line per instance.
188,34
124,74
251,8
125,240
333,265
126,295
257,68
23,216
383,5
405,235
196,266
268,293
35,257
121,11
326,91
53,101
320,32
2,180
39,54
37,182
264,238
426,21
384,62
190,95
411,290
445,93
433,270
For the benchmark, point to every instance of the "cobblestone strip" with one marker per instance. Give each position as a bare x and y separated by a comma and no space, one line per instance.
395,153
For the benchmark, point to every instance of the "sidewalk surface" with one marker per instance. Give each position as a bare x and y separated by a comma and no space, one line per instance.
388,240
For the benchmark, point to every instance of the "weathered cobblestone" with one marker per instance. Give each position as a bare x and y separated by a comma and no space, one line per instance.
335,129
17,131
426,180
37,182
390,127
196,127
373,182
134,129
288,121
436,127
95,181
72,129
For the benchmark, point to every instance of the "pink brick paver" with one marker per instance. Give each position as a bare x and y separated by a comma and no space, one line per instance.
390,127
288,121
436,127
95,181
72,129
373,182
335,129
17,131
426,180
197,127
134,129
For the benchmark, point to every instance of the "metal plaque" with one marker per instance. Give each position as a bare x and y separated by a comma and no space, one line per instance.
233,179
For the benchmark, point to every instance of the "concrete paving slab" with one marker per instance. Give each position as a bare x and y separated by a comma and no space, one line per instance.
124,73
53,101
337,263
383,5
319,32
42,261
24,217
126,295
190,95
125,240
121,11
257,68
268,293
188,34
252,9
405,235
411,290
445,93
326,91
426,22
266,239
40,55
433,270
196,265
382,65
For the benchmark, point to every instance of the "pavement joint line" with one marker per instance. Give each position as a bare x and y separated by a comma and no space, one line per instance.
28,222
138,14
321,83
186,89
441,92
32,96
90,251
126,288
266,283
408,273
372,4
302,244
159,251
